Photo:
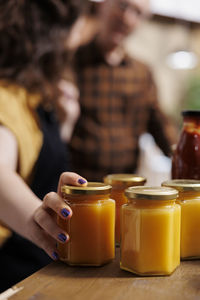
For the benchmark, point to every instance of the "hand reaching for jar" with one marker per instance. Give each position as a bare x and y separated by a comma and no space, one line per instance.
23,212
44,230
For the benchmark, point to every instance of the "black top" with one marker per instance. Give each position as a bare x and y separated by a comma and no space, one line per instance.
20,258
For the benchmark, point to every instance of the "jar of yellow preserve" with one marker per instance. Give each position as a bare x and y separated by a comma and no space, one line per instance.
150,231
189,199
91,227
119,183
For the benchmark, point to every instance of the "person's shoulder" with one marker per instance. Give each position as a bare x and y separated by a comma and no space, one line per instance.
140,68
11,99
11,93
13,96
18,114
17,105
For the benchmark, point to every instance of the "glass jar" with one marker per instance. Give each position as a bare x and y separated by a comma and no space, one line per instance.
150,231
119,183
186,158
92,226
189,199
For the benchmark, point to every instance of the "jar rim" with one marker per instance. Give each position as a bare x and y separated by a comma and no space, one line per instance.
183,184
151,193
92,188
191,113
124,178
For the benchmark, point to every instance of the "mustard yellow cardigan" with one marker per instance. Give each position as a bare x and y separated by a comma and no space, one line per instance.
18,114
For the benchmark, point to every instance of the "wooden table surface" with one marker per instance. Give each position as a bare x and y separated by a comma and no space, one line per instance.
59,281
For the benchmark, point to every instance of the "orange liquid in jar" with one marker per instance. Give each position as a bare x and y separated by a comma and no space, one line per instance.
189,200
190,225
150,237
119,183
120,199
91,230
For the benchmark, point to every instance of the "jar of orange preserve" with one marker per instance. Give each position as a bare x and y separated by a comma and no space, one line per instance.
119,183
189,199
150,231
91,227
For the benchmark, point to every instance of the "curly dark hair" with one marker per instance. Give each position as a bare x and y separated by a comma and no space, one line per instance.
32,41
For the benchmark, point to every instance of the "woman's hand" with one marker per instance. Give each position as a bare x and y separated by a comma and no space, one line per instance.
68,108
43,230
21,210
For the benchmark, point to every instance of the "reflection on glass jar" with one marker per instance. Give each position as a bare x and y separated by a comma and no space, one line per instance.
186,158
119,183
189,199
91,227
150,231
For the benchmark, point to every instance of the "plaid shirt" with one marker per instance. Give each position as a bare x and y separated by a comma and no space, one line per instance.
118,104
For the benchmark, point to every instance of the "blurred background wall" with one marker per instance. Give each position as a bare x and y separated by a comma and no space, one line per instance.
165,33
173,27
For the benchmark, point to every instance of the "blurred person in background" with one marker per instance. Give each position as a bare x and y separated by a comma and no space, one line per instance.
118,97
35,46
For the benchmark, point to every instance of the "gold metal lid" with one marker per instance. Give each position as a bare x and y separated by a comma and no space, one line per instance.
124,179
151,193
183,185
92,188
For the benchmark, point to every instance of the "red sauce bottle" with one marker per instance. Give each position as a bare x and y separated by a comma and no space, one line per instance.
186,158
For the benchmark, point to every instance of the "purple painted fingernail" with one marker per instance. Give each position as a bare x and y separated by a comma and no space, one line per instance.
55,255
62,237
65,212
81,181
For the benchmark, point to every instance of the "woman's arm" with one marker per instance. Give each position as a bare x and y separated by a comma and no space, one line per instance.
21,209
